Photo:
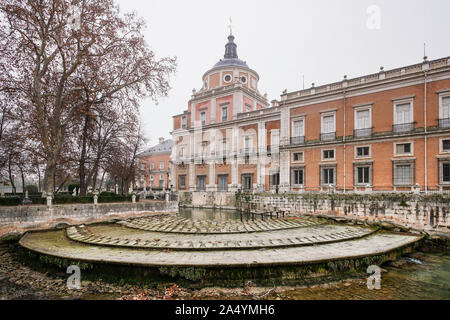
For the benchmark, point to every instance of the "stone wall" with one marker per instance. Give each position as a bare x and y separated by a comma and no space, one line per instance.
410,211
18,219
208,199
427,213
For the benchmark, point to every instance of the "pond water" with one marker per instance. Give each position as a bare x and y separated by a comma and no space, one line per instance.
209,214
425,276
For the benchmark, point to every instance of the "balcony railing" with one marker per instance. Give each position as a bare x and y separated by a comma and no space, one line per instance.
403,127
360,133
297,140
247,151
273,149
330,136
200,156
444,123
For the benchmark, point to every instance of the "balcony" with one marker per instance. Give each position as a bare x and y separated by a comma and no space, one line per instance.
330,136
273,150
361,133
297,140
247,152
444,123
403,127
200,157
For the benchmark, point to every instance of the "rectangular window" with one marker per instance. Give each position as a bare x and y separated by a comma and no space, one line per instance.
203,149
363,175
328,176
201,183
203,118
275,180
152,166
403,174
328,154
275,139
297,176
298,128
444,112
184,122
247,182
224,147
446,172
224,113
403,148
403,113
182,181
328,124
182,152
223,183
362,119
445,145
161,165
248,143
362,152
298,157
161,184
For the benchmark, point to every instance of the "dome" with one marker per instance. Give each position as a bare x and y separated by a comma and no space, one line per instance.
230,58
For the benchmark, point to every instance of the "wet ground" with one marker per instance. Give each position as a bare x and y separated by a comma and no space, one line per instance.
418,276
421,275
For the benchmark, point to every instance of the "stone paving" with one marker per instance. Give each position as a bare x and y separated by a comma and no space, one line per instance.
170,240
270,239
56,244
175,224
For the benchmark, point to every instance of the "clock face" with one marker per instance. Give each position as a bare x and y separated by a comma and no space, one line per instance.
227,78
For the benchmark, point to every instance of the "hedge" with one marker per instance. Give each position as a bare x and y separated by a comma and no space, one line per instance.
68,199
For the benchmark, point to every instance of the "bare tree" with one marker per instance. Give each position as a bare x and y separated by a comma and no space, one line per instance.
58,70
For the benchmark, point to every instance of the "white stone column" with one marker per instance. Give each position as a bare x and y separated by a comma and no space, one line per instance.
234,176
262,146
213,110
284,127
212,177
285,171
234,162
192,176
193,112
238,102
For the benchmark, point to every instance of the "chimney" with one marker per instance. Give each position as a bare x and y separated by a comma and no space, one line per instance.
161,140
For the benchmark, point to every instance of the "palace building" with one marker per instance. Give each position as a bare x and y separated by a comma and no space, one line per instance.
154,166
388,131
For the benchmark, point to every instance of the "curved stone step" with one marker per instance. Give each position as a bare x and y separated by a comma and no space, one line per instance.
55,243
274,239
174,224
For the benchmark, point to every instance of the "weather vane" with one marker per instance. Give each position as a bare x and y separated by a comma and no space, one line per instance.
231,26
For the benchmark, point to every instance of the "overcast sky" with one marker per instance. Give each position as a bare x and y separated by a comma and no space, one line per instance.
286,40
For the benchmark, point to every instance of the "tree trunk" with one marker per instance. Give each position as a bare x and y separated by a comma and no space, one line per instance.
11,179
82,170
39,178
49,176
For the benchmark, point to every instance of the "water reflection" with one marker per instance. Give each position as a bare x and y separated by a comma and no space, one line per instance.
209,214
429,280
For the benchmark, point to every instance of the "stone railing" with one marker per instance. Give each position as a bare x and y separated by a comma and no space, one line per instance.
23,217
427,213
